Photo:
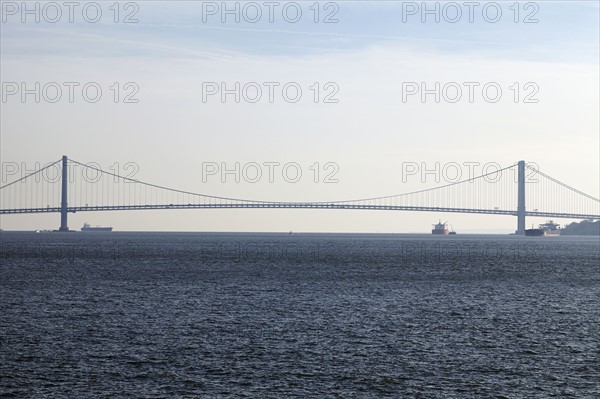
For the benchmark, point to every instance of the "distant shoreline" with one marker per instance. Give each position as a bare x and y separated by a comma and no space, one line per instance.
564,233
583,228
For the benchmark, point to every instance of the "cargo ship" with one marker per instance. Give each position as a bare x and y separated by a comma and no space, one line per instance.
87,227
545,229
440,228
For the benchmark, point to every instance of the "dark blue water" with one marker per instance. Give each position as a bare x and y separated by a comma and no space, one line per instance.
267,315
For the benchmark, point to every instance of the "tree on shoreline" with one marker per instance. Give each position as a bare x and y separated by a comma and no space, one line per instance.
583,228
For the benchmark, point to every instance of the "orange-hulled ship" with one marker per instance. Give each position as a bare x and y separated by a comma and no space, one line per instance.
440,228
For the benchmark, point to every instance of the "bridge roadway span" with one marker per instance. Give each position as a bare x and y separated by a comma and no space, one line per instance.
296,205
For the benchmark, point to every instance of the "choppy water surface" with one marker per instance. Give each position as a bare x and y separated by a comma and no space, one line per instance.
267,315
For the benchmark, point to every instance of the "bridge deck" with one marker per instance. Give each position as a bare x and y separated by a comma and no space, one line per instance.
284,205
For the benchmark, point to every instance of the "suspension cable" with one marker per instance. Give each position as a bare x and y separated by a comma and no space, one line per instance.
563,184
31,174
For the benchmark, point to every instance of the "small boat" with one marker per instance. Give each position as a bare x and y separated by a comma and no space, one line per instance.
440,228
87,227
545,229
452,232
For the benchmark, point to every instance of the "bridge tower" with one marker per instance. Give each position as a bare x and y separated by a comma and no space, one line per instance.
63,202
521,198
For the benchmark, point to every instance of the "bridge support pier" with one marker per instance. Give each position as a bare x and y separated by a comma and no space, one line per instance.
521,198
63,202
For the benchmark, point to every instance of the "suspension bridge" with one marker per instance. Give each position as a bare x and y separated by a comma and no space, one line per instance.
517,190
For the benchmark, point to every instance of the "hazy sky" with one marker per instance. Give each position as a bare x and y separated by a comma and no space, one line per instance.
368,57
